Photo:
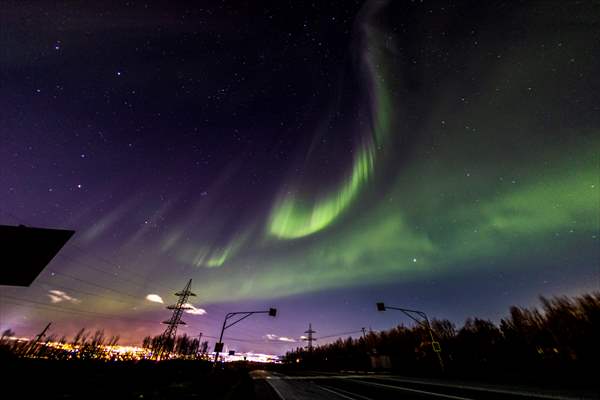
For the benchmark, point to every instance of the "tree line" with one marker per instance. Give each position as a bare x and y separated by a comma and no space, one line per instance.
182,346
88,345
85,345
559,339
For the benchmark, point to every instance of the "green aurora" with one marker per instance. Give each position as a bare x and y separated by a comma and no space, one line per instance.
489,183
295,217
488,179
439,156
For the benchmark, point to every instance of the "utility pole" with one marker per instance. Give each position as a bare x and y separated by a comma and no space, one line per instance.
198,353
37,339
168,337
244,314
310,337
435,345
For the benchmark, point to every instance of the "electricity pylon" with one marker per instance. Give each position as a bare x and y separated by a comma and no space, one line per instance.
168,337
310,337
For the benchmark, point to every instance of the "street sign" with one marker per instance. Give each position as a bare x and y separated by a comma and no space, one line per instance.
218,347
232,352
436,347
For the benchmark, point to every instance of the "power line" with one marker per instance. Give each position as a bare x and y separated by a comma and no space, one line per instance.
105,261
100,258
36,304
112,274
103,271
51,307
206,316
254,341
340,334
94,284
85,281
89,293
121,269
20,220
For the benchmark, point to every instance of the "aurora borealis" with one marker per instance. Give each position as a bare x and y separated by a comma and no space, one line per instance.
317,158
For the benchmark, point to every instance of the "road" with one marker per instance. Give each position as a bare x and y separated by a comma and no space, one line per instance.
275,386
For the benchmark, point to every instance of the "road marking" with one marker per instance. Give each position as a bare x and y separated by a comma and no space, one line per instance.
482,389
446,396
330,388
277,392
336,393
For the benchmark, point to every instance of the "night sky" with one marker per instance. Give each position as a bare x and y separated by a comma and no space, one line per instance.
315,156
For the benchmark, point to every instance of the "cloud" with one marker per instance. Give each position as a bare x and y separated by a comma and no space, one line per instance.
271,336
56,296
155,298
287,339
193,310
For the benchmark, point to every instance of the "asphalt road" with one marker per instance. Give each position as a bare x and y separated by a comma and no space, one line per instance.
275,386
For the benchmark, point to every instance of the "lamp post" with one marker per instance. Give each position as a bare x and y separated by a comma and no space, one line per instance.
435,345
244,314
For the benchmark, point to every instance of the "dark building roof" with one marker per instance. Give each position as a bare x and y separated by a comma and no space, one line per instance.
25,252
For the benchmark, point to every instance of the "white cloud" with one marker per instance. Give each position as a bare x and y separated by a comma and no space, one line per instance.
193,310
286,339
271,336
56,296
155,298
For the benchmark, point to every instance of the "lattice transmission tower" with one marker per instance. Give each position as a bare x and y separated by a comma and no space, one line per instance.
309,338
168,337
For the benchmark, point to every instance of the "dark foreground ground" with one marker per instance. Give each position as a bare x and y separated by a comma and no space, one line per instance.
43,379
51,379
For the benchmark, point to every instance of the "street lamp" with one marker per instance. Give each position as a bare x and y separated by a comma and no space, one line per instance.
435,345
245,314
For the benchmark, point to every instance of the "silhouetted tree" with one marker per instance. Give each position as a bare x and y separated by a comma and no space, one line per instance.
560,338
